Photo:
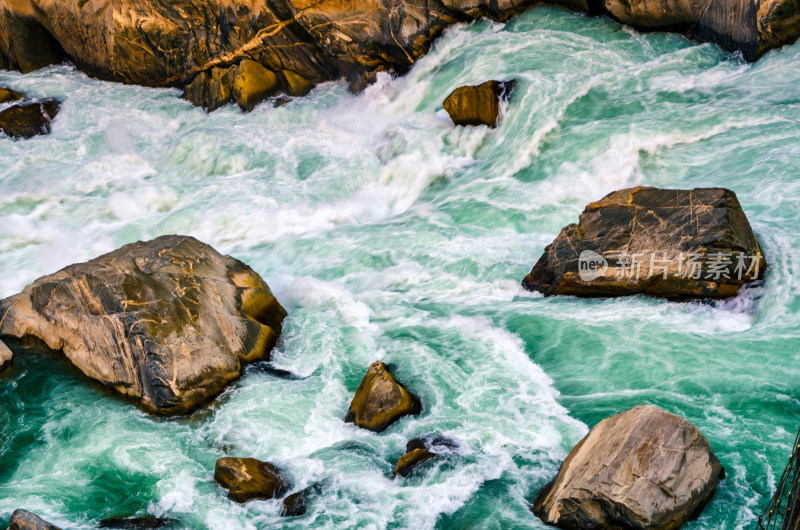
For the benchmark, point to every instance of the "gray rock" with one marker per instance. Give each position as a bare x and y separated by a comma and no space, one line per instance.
642,469
168,323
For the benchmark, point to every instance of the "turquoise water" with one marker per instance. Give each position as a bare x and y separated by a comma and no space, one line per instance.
388,234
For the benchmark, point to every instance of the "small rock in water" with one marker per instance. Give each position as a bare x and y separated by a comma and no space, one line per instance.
479,104
381,400
248,478
641,469
6,95
26,120
679,244
296,504
25,520
420,450
137,523
6,356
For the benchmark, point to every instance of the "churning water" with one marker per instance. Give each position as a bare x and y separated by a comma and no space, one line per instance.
389,234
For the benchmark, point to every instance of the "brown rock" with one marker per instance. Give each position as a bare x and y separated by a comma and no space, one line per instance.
136,523
254,84
6,95
679,244
248,478
479,104
295,84
413,457
24,520
296,504
168,323
642,469
380,400
6,357
212,89
26,120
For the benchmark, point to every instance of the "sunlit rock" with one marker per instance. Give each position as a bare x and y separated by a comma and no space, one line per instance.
381,400
247,479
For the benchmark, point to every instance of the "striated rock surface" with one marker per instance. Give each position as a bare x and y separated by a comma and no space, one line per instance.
6,94
479,104
26,120
168,323
181,43
24,520
381,400
6,357
642,469
248,478
679,244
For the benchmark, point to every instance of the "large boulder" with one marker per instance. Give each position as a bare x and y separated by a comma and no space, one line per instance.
479,104
24,520
642,469
679,244
168,323
26,120
247,479
381,400
180,43
6,357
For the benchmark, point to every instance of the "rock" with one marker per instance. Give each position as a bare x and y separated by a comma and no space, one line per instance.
295,84
26,120
6,95
420,450
296,504
24,520
168,323
642,469
679,244
380,400
6,357
212,89
254,84
137,523
479,104
248,478
25,43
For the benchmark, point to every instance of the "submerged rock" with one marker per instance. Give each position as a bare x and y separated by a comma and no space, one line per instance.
679,244
6,95
26,120
248,478
421,450
6,357
479,104
24,520
641,469
168,323
136,523
381,400
296,504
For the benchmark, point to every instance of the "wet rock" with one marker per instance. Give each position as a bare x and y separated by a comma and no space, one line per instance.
6,357
479,104
248,478
6,95
381,400
421,450
211,89
296,504
254,84
136,523
679,244
26,120
642,469
295,84
24,520
168,323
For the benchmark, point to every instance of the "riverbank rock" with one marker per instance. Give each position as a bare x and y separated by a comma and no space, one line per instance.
167,323
641,469
26,120
479,104
136,523
153,43
6,95
678,244
248,478
24,520
381,400
6,357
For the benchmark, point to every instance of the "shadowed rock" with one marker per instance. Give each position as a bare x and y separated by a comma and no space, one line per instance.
6,357
679,244
24,520
6,95
421,450
479,104
136,523
642,469
26,120
380,400
168,323
248,478
296,504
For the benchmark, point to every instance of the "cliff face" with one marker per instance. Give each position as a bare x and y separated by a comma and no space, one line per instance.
156,43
